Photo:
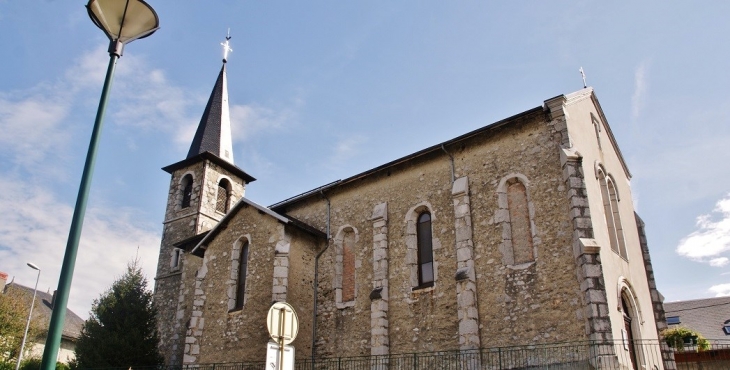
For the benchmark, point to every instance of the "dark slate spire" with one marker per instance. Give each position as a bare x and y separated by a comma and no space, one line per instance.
212,141
214,130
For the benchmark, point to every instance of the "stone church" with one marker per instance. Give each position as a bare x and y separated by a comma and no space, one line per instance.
520,233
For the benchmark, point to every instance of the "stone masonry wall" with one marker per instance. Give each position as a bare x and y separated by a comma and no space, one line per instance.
209,217
180,224
217,334
533,304
173,283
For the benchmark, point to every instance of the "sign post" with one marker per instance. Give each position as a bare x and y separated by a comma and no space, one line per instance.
283,325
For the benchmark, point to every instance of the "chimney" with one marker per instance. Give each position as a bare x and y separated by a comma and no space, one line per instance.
53,300
3,280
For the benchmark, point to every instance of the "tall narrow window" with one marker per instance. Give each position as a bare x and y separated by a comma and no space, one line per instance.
613,217
175,259
241,283
629,336
187,192
607,211
348,267
519,215
224,196
613,194
425,250
516,212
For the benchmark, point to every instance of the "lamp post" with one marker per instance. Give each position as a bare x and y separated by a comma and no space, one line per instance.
30,315
123,21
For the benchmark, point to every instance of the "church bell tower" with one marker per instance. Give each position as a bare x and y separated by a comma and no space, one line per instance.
203,187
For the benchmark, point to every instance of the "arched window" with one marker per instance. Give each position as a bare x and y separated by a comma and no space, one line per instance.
425,250
520,228
611,211
516,213
224,196
613,194
175,258
348,266
345,282
628,331
187,190
241,281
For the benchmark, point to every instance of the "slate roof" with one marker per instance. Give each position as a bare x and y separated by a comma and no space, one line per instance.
706,316
206,144
72,324
445,147
202,245
42,310
208,136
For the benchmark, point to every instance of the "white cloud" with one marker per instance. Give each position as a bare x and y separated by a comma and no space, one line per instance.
147,101
640,87
30,127
37,127
89,70
36,132
720,290
248,120
35,229
712,238
345,149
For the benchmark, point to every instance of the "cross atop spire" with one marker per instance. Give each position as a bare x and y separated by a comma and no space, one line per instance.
214,131
226,47
213,141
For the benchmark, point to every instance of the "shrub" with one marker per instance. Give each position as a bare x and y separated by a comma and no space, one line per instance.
680,336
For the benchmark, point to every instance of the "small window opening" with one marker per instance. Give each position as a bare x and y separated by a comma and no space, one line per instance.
224,196
673,320
241,285
425,250
175,263
726,327
187,191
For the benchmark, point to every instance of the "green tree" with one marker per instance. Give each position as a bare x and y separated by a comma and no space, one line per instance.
14,306
121,331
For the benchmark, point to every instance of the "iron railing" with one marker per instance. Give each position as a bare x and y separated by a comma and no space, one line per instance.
623,355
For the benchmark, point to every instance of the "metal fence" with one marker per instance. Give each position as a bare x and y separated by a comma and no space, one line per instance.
624,355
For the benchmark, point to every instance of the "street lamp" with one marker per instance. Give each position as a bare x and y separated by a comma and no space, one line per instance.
123,21
30,315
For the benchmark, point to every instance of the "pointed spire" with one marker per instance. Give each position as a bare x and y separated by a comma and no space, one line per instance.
214,130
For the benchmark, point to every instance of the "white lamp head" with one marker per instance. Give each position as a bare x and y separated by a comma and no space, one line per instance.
123,21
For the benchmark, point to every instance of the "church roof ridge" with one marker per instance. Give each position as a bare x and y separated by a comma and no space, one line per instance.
434,148
222,224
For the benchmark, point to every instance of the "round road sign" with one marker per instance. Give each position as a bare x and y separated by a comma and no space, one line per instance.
282,322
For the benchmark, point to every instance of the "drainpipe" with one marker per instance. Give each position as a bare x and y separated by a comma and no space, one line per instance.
316,281
452,163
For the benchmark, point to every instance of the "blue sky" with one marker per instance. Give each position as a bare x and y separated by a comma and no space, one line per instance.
322,90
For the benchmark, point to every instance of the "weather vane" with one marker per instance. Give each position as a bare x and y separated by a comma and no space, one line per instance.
226,47
582,74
